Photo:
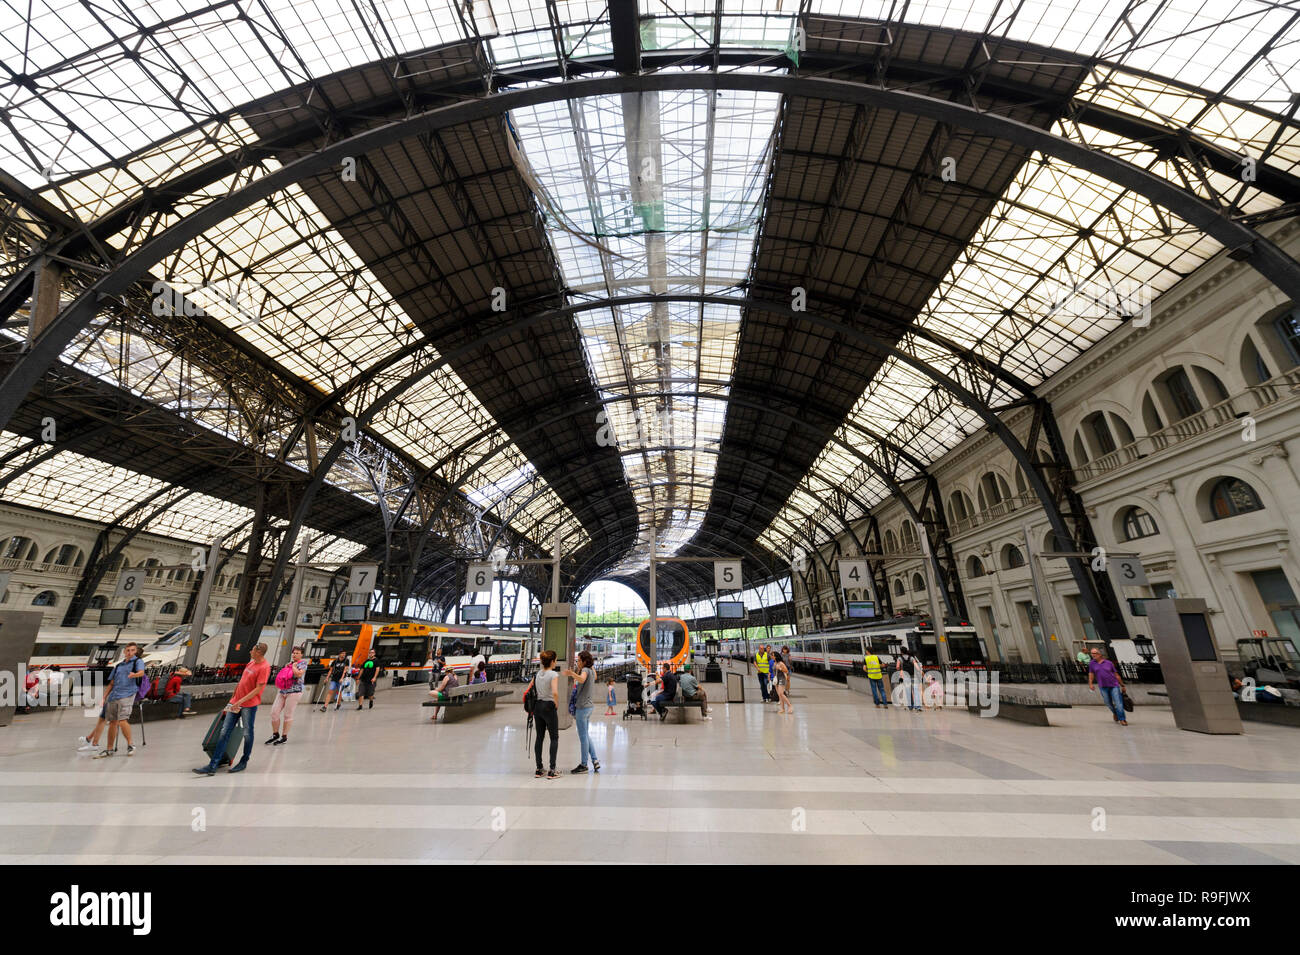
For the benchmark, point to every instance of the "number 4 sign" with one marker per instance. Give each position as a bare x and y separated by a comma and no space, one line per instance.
853,574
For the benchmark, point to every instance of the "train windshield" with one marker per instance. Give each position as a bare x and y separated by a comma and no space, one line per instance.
173,637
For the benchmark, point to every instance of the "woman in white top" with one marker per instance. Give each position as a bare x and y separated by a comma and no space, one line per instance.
547,711
781,673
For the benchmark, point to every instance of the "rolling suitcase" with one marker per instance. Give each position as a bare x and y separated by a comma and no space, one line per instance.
232,745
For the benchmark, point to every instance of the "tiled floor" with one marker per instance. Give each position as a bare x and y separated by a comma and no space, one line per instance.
837,781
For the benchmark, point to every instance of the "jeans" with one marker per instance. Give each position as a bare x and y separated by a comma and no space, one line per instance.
581,716
547,717
658,701
762,685
878,694
183,701
248,714
1113,697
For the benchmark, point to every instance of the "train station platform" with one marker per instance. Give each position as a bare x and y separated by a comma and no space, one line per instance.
837,781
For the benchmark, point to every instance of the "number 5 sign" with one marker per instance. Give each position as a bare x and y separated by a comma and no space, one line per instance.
1126,572
362,578
478,579
130,583
853,574
726,575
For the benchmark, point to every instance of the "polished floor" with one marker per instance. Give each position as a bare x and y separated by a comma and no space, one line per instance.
839,781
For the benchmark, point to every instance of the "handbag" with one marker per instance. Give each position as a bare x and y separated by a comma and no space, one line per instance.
573,701
1128,700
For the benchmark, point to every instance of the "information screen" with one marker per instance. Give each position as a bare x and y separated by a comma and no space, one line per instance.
1200,645
731,610
113,618
472,613
555,636
861,608
352,613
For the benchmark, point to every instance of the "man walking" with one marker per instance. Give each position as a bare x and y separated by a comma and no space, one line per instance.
763,662
871,667
119,700
244,703
366,680
337,669
1110,683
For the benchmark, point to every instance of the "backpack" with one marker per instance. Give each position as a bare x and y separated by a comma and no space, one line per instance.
530,698
284,679
145,685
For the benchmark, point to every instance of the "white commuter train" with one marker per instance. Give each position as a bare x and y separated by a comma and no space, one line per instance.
74,648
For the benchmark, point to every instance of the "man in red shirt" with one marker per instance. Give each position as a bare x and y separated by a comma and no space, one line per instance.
244,702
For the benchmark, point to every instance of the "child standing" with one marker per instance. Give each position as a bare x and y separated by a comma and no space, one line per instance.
609,698
933,691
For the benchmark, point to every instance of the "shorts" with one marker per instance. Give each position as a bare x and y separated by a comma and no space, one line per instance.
365,690
334,685
119,709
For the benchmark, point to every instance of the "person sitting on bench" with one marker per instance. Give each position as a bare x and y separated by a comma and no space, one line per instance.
667,694
693,692
439,692
173,692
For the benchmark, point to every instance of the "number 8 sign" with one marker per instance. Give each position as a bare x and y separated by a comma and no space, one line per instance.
130,583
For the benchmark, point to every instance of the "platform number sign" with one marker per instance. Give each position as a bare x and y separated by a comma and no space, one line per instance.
361,580
1126,572
130,583
726,575
853,574
478,580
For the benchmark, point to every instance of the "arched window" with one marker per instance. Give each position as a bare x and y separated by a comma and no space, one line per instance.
1253,367
1011,557
19,548
918,583
1182,396
1151,415
974,566
891,542
168,608
1230,497
957,506
899,589
1100,430
136,606
65,555
994,488
117,563
1080,450
907,534
313,594
46,598
1053,544
1137,524
1288,329
97,602
228,613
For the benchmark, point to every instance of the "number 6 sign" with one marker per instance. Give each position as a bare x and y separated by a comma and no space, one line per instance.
478,579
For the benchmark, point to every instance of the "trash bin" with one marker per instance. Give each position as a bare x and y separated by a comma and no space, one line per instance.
735,688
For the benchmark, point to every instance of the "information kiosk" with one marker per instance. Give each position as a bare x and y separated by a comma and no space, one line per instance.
1195,677
560,633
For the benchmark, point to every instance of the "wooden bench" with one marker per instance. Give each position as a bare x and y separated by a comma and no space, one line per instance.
1023,709
469,700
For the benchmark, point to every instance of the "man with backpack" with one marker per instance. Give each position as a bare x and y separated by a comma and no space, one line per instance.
243,704
126,682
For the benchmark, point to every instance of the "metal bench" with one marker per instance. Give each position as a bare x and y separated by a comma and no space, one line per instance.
680,709
469,700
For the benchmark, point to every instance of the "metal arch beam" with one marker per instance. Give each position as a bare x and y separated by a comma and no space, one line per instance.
1263,255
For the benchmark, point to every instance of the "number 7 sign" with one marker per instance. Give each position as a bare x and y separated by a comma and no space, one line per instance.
362,578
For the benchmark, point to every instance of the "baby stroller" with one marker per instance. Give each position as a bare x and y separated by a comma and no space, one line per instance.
635,703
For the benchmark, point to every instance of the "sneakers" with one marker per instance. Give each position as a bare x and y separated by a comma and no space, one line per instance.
371,706
323,708
102,754
240,766
204,770
552,775
580,768
282,739
275,737
188,712
84,742
708,717
130,750
539,774
595,765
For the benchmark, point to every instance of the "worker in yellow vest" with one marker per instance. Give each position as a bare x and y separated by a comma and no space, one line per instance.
872,667
763,661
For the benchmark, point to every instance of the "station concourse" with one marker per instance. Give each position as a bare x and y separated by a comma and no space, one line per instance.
870,427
